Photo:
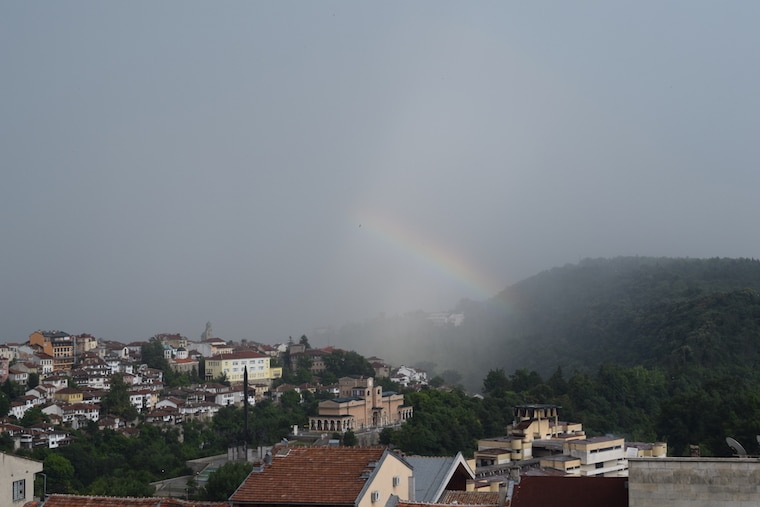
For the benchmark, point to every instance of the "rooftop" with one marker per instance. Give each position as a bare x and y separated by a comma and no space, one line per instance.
315,475
58,500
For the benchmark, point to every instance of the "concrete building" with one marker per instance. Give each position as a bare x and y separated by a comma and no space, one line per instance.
17,479
57,344
537,434
232,366
694,482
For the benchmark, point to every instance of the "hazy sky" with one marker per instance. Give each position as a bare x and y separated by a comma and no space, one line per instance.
277,166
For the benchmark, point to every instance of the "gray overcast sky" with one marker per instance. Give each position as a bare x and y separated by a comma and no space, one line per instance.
273,167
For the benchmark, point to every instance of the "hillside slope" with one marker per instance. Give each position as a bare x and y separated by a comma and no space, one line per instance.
656,312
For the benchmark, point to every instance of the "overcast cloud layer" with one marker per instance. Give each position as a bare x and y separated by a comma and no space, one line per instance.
274,167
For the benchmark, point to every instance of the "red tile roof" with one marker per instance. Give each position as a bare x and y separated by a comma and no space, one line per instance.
470,498
310,475
113,501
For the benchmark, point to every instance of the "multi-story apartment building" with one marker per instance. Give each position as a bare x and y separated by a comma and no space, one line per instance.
360,405
232,366
57,344
537,432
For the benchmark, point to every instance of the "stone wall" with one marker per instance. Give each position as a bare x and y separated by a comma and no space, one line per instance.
694,482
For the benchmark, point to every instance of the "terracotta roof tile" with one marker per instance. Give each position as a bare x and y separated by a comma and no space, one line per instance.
113,501
310,475
470,498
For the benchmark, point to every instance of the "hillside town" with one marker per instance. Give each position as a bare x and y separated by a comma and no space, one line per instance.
71,374
66,377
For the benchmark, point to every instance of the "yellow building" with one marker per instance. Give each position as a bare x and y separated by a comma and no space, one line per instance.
69,395
57,344
359,405
233,365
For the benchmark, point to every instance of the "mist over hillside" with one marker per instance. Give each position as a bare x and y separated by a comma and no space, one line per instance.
625,310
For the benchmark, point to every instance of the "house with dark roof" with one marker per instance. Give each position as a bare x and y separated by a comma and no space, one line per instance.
327,476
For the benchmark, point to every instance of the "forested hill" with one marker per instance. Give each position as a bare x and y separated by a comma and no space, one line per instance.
656,312
631,311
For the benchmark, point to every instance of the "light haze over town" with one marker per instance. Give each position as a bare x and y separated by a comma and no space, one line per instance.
282,166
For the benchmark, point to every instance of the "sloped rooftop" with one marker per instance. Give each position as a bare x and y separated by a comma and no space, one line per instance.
58,500
311,475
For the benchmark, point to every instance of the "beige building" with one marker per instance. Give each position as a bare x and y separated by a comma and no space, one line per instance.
233,365
360,404
69,395
57,344
537,432
17,479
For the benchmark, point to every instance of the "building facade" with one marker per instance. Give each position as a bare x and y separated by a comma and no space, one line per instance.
57,344
360,405
17,479
233,365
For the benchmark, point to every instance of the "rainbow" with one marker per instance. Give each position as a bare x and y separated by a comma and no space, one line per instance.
443,259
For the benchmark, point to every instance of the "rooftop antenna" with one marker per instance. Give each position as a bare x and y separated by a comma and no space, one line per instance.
736,447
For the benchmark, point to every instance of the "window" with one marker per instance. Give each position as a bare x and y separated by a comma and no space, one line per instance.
19,490
396,481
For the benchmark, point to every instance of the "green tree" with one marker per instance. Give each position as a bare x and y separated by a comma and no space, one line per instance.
6,442
152,354
11,389
134,485
290,399
33,380
386,436
116,400
349,439
496,383
33,416
5,404
59,472
342,364
225,480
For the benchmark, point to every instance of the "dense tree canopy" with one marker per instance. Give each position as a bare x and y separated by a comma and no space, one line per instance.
225,480
116,400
